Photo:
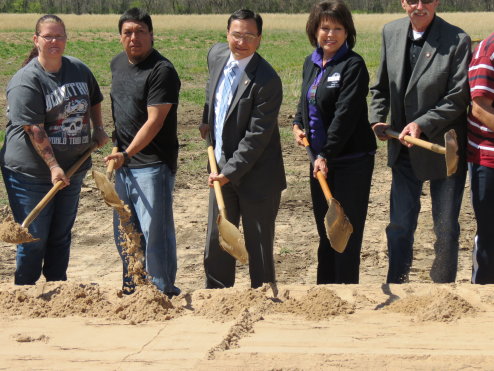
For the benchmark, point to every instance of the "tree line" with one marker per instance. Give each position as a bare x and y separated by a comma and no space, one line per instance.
217,6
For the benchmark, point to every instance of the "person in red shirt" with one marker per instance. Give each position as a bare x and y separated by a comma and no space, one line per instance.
480,157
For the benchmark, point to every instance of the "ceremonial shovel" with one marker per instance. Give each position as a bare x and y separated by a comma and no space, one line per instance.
18,233
53,191
450,151
230,238
338,227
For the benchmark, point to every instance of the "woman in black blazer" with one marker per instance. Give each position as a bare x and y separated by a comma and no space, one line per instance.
332,114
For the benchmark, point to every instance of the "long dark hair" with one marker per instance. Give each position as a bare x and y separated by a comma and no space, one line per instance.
50,18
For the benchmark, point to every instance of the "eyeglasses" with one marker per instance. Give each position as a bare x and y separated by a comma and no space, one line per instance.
248,37
415,2
50,38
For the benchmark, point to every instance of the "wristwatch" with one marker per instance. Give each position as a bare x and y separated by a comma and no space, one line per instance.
126,158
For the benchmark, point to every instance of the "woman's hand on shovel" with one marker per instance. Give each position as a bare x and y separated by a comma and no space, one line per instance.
298,134
57,174
320,165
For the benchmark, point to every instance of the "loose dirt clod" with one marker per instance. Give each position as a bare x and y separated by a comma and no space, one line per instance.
131,245
12,232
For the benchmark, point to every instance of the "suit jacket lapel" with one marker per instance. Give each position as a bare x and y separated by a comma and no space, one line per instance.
243,83
400,45
426,55
215,78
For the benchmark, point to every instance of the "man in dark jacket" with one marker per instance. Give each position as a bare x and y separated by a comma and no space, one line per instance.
422,80
242,120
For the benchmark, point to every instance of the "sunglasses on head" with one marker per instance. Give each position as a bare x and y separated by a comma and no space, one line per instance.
415,2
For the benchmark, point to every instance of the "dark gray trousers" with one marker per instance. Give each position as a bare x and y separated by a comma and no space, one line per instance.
258,221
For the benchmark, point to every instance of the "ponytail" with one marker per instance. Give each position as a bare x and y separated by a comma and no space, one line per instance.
32,54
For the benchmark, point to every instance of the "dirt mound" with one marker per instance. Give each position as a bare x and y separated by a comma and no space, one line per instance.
55,300
146,304
318,304
227,304
87,300
438,306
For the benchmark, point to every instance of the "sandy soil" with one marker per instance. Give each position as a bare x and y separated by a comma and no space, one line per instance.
87,324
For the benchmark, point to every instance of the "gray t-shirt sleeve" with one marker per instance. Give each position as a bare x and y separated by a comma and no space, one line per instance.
26,105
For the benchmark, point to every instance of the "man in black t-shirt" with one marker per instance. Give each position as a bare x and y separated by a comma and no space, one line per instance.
144,94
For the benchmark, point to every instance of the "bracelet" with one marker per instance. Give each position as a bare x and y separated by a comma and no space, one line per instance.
126,157
53,166
99,128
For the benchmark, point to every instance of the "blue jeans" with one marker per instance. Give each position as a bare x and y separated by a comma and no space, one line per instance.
446,197
482,183
49,255
148,193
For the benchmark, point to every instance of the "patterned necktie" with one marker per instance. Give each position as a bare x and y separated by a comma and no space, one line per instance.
226,98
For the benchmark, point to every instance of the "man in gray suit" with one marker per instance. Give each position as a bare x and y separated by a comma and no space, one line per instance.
243,98
422,79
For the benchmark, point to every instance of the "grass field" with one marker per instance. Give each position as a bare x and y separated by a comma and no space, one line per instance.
186,39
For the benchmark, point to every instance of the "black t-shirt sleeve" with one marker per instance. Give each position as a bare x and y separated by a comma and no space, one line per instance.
164,86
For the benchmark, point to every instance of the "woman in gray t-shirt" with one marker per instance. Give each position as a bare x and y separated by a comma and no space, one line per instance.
52,101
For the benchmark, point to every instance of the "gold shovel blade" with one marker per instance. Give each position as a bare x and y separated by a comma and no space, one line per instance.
231,240
107,190
338,227
451,155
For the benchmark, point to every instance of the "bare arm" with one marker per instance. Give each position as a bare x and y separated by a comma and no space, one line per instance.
483,110
99,136
42,146
154,123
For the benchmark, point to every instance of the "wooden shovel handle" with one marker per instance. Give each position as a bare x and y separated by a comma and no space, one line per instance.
216,184
419,142
53,191
111,164
320,177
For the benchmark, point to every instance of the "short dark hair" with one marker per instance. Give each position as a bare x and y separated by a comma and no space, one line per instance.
335,11
135,15
244,14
